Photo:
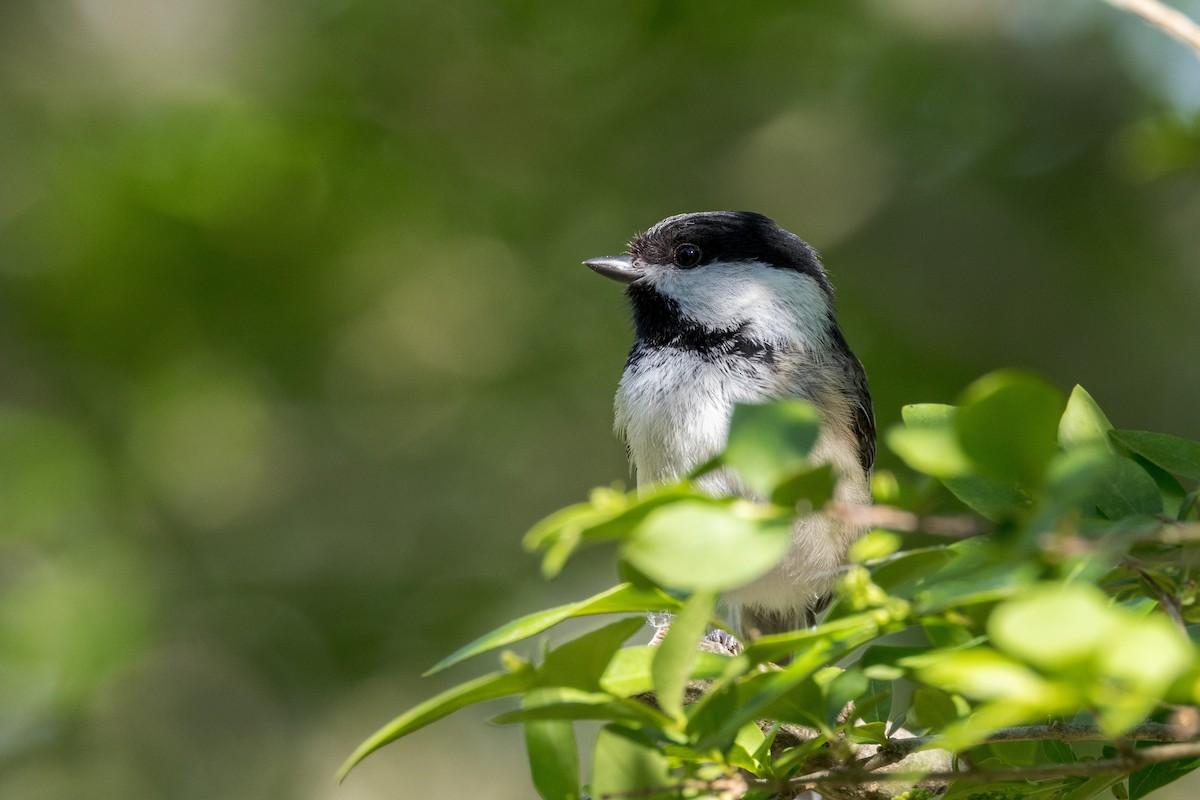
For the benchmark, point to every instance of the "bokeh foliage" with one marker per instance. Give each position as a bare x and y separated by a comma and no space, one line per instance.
294,341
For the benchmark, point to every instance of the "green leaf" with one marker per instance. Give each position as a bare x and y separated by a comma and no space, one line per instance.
813,485
607,515
991,498
985,674
711,709
488,687
802,703
908,572
1124,657
621,599
578,705
625,763
1008,424
1125,489
876,704
581,662
1083,423
1092,478
553,754
1175,455
869,733
629,671
850,686
1054,626
820,648
1091,788
1057,752
875,545
928,441
767,441
1155,776
707,546
677,653
746,749
932,708
881,662
979,572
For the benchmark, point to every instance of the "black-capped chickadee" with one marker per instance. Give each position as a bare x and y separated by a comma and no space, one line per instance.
730,308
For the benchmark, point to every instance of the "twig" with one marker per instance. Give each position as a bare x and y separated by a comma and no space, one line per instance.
899,749
1111,766
1168,601
897,519
1174,532
1169,20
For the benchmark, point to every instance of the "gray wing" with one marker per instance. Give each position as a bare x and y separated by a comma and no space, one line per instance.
862,413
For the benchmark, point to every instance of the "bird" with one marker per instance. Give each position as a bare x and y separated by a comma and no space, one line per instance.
730,308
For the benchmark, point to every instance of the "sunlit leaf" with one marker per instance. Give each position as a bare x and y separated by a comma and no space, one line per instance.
869,733
580,662
928,441
677,652
814,485
624,598
746,752
985,674
553,754
625,763
629,671
768,441
586,706
1008,424
706,547
607,515
1054,626
875,545
1147,652
1083,423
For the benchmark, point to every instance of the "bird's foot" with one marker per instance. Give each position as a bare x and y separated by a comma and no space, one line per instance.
721,642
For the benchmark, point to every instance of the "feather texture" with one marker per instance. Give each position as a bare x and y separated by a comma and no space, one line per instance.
752,322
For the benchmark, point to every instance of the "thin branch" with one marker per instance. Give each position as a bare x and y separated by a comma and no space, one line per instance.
1168,20
1112,766
897,519
1174,532
899,749
1168,601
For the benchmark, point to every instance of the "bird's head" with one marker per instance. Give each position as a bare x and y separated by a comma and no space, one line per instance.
720,271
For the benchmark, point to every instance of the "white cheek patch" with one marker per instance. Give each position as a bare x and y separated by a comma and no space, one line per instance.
774,304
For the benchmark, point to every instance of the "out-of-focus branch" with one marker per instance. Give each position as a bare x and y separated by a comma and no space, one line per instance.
1169,20
897,519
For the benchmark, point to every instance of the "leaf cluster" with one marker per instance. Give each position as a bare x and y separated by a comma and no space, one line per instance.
1064,605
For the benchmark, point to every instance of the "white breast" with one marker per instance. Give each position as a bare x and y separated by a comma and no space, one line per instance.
673,408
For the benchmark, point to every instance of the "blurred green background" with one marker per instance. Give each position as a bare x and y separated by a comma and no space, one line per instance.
295,342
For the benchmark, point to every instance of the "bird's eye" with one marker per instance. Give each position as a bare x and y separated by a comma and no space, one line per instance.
686,255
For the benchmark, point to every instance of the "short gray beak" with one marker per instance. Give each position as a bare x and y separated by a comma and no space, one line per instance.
619,268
